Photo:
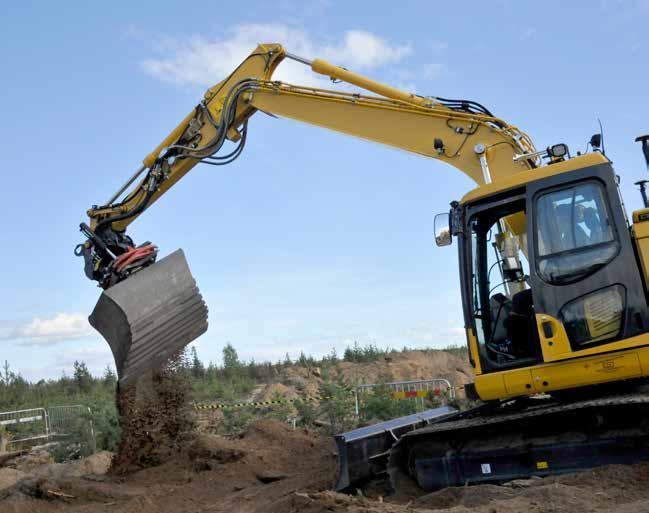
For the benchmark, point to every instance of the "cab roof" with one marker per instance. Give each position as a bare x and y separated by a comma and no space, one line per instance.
507,183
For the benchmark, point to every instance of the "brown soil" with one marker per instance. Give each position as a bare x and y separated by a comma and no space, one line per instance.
409,365
273,469
155,417
259,472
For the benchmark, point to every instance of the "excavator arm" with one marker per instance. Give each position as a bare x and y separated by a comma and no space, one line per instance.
461,133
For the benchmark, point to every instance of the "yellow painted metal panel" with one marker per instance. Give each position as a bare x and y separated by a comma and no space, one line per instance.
518,382
561,350
587,371
547,377
641,215
491,386
512,181
557,346
643,356
641,229
392,123
475,355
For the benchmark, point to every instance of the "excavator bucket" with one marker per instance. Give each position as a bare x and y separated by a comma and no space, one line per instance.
150,316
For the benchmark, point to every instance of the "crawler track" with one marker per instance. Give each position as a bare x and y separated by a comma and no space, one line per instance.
546,437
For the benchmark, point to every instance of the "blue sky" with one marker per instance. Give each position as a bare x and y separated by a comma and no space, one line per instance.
311,240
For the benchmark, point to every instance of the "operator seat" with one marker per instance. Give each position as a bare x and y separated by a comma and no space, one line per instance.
521,326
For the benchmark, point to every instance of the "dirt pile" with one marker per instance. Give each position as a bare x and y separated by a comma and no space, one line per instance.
10,476
273,469
258,472
409,365
404,366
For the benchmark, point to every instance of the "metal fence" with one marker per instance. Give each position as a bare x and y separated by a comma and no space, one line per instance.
418,390
49,424
26,425
72,421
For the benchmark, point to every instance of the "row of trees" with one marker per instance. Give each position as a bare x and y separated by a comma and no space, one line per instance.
233,380
230,380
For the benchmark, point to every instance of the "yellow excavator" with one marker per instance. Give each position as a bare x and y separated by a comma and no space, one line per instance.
553,276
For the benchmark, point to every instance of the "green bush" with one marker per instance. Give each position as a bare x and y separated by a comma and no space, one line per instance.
282,410
379,404
337,405
307,412
236,421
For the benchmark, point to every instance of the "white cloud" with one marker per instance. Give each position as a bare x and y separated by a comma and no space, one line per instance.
203,61
97,356
44,331
364,50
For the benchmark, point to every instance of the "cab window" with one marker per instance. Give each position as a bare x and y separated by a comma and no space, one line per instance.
575,236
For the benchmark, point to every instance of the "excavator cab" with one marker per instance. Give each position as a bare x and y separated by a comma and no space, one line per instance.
549,273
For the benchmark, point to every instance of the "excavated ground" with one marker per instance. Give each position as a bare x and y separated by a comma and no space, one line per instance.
273,469
164,466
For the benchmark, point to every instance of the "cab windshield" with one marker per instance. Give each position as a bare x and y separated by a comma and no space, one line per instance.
574,233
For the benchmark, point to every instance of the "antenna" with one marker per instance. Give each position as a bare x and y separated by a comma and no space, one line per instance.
601,132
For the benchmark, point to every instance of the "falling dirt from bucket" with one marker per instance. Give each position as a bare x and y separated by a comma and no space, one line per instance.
156,418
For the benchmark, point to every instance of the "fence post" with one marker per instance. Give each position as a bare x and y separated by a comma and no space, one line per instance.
356,405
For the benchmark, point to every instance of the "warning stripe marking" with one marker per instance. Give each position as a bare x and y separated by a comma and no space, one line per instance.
255,404
261,404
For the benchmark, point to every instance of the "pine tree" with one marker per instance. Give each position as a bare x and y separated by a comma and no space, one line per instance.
231,362
109,378
82,377
197,367
7,375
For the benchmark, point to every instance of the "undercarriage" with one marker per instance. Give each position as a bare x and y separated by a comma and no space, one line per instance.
496,443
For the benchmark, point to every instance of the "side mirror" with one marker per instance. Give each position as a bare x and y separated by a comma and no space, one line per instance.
443,229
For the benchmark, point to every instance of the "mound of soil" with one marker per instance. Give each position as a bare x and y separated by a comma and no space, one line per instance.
259,472
273,469
409,365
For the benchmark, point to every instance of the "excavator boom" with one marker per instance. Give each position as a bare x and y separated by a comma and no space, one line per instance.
144,302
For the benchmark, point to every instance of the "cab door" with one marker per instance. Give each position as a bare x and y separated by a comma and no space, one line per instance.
583,271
